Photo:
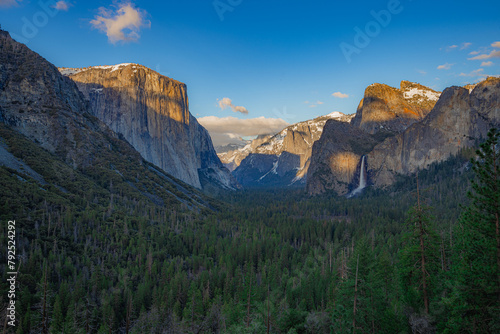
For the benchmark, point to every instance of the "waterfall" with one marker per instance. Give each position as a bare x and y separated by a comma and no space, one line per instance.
362,179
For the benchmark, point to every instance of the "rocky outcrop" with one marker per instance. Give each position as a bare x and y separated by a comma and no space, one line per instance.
388,109
232,158
336,158
283,159
46,107
77,149
152,112
460,119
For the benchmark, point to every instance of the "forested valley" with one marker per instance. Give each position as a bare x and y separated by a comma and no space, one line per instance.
418,257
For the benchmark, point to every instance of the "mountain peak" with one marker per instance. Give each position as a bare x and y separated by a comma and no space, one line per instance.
394,109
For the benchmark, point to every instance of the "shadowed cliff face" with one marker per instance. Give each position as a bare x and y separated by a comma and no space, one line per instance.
459,119
152,112
289,150
336,158
46,107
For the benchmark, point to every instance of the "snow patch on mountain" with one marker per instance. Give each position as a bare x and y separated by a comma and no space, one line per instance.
416,92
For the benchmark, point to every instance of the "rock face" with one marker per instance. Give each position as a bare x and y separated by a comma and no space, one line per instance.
47,108
233,157
152,112
336,158
283,159
459,119
38,102
386,108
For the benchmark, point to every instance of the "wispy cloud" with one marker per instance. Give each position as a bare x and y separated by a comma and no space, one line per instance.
445,66
122,24
9,3
422,72
465,46
340,95
475,73
451,47
226,102
62,5
492,54
486,63
225,130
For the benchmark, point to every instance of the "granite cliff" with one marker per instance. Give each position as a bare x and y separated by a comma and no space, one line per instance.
401,131
461,117
48,136
151,111
232,156
385,108
283,159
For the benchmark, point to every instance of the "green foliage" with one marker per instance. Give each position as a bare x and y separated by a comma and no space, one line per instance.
475,302
122,252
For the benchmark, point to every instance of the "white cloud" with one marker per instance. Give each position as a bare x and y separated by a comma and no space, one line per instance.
422,72
225,130
486,63
312,106
9,3
122,24
492,54
319,102
475,73
465,46
62,5
226,102
445,66
340,95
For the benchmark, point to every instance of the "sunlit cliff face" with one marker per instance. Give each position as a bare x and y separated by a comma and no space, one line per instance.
344,164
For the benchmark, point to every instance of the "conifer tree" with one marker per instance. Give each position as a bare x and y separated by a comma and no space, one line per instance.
476,298
419,265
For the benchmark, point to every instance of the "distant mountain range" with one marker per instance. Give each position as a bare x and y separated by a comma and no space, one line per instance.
129,115
281,159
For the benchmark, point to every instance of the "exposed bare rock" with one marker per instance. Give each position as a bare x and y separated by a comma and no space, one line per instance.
267,164
386,108
336,158
38,102
232,158
152,112
458,120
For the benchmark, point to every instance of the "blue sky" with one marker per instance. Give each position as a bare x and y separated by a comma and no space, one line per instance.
278,61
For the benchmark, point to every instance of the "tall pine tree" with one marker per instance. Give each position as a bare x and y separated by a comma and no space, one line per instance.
476,298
